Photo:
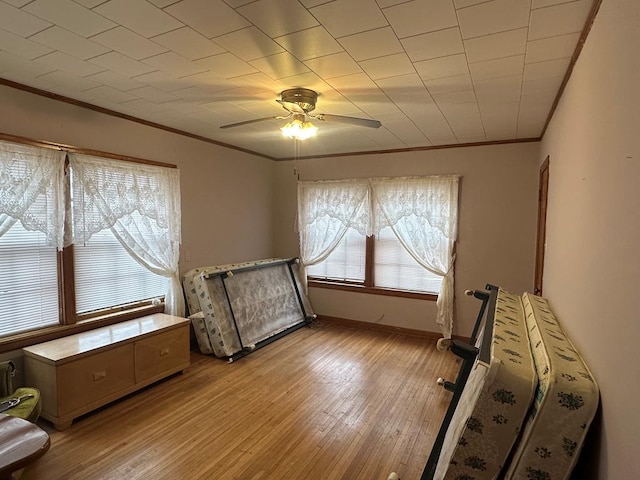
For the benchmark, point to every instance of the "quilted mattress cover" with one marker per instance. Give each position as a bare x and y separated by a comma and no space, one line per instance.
494,402
261,294
565,402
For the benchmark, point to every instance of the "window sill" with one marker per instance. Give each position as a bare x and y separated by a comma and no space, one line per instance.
19,340
371,290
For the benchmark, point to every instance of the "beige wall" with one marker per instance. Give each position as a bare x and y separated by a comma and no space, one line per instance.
592,267
227,207
496,244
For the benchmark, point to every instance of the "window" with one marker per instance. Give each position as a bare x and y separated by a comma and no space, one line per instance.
83,239
392,267
382,235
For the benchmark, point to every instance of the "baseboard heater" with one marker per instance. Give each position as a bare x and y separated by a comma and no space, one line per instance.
238,308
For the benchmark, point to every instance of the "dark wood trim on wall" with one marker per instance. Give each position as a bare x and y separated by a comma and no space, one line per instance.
576,54
124,116
85,151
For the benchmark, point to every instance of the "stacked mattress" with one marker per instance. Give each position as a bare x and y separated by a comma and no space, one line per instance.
523,414
236,306
494,401
565,403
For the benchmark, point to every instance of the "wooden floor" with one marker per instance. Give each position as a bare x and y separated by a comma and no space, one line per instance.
325,402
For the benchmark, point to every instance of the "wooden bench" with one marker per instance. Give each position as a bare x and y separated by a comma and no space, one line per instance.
79,373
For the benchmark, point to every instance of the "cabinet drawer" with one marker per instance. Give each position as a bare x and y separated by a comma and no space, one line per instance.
161,353
93,378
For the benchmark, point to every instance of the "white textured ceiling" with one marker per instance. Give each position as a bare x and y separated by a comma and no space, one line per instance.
434,72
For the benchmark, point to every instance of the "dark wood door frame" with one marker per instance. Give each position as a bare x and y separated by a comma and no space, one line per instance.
543,190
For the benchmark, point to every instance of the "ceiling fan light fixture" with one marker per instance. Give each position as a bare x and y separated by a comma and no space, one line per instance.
299,128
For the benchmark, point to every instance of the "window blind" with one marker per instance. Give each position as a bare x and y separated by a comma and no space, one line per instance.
346,262
107,276
28,281
395,268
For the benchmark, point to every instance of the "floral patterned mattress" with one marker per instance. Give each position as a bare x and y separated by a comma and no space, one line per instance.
494,402
565,402
260,295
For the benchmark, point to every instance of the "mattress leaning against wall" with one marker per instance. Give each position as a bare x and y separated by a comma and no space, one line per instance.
239,305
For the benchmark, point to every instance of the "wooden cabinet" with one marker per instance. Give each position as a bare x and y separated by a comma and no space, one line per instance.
81,372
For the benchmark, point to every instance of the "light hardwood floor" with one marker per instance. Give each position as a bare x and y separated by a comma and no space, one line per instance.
325,402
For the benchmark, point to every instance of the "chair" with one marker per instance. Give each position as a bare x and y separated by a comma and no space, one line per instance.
23,402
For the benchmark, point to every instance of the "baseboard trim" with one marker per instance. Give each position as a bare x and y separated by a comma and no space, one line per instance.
385,328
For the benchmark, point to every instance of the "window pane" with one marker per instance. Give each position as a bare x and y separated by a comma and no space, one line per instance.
107,276
346,262
28,281
395,268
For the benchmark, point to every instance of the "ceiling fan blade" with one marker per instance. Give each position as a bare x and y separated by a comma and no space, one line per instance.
248,122
361,122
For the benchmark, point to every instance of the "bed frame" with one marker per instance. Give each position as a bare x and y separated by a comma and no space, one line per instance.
479,347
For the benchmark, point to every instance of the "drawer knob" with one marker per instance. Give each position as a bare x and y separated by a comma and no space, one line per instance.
164,352
97,376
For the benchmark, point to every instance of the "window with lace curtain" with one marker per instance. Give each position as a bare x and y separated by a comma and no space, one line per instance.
392,236
96,237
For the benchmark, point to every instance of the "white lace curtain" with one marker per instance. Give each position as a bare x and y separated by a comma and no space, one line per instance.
140,204
32,190
421,211
326,210
423,214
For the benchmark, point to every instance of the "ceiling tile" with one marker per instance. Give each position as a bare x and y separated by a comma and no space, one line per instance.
346,17
357,87
500,121
413,18
68,42
226,65
17,45
311,43
208,82
128,43
159,3
493,17
70,64
406,91
89,3
188,43
279,65
434,44
372,44
548,69
18,3
467,3
498,90
68,80
110,94
551,48
259,85
333,65
161,80
546,3
442,67
19,22
278,17
153,94
389,3
559,19
174,64
536,86
497,45
71,16
249,44
139,16
389,66
211,18
238,3
121,64
503,67
20,67
307,3
457,83
115,80
307,80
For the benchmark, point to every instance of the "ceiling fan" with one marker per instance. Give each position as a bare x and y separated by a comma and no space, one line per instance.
299,103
